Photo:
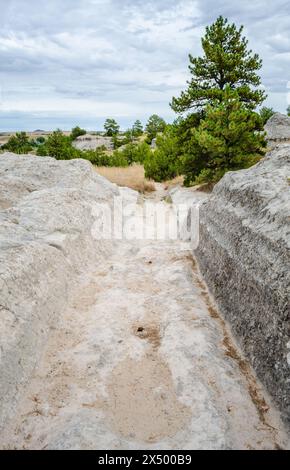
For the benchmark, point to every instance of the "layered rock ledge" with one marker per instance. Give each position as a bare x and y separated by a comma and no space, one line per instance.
244,255
278,129
91,142
45,241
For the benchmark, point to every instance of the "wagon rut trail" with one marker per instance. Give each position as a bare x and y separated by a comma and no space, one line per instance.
142,359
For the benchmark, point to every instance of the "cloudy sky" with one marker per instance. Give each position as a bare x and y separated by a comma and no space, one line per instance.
69,62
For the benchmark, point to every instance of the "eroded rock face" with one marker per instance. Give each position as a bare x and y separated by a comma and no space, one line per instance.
244,254
91,142
45,241
278,129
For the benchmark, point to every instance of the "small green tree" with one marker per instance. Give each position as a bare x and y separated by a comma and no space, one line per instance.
163,163
142,152
129,137
59,146
41,150
18,143
229,138
97,157
40,140
137,129
77,132
154,125
129,153
118,142
288,110
118,159
226,62
266,113
111,127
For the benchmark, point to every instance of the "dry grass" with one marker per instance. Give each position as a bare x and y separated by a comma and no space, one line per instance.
4,136
132,177
4,139
178,181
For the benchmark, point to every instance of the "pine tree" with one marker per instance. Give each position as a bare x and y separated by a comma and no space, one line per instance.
154,125
18,143
59,146
137,128
266,113
229,138
77,132
111,127
163,163
226,61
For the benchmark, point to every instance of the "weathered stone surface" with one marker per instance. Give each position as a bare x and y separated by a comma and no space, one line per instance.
92,142
136,354
45,241
244,254
278,128
141,360
188,196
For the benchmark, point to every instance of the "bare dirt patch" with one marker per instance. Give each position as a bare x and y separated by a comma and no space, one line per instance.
142,401
150,333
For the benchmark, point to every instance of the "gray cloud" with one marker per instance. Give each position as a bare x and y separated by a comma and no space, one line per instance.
80,61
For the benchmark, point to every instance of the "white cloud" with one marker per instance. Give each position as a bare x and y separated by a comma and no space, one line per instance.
88,59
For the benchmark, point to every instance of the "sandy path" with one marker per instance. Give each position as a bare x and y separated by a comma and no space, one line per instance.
141,359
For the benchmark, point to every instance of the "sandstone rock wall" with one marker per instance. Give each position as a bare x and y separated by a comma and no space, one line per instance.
244,254
91,142
45,242
278,129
